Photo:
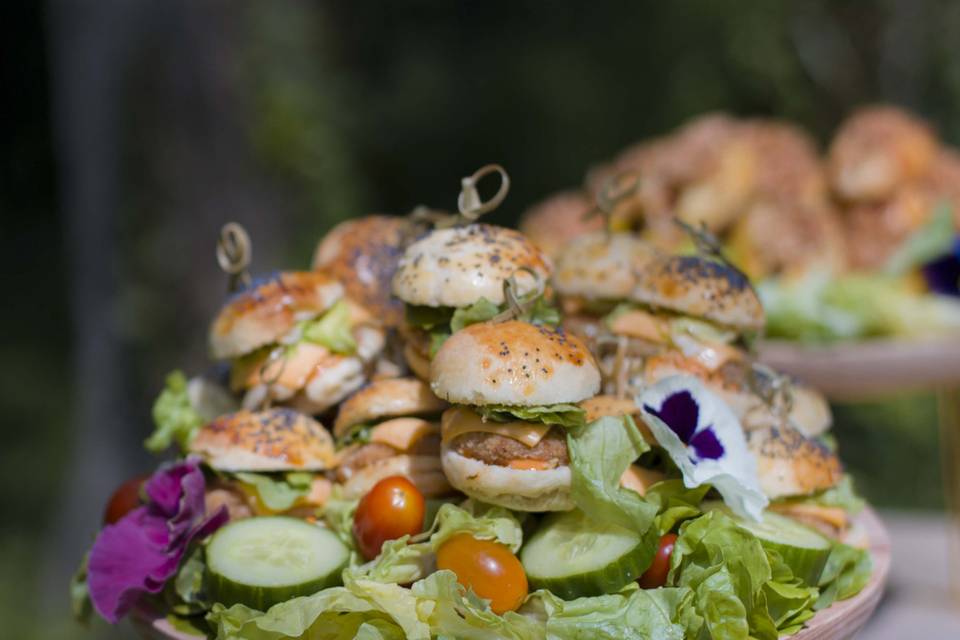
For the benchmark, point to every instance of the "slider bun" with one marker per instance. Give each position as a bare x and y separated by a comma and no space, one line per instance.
514,363
272,440
790,464
517,489
606,405
388,398
699,287
456,267
423,471
268,309
553,222
364,254
601,266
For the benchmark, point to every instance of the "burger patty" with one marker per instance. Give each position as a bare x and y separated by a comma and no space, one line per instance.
500,450
375,451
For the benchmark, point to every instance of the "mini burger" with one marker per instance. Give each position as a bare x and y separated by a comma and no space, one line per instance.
514,386
455,277
390,427
363,254
265,462
554,222
294,338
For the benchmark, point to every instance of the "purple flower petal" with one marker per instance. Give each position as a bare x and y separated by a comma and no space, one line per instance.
680,412
143,550
706,445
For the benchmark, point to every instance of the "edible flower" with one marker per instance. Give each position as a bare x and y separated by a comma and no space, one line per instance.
705,440
143,550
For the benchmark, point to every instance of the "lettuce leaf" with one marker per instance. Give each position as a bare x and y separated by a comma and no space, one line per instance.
675,502
277,492
843,495
188,587
932,240
847,572
80,604
480,311
333,330
741,589
174,417
632,614
565,415
428,317
599,454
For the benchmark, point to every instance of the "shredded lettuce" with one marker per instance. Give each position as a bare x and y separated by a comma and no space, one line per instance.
174,416
277,492
599,454
565,415
480,311
333,330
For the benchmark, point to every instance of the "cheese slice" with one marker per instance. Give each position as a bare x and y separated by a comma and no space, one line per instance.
460,420
403,433
528,464
640,324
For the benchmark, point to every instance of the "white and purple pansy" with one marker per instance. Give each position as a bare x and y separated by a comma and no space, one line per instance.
705,440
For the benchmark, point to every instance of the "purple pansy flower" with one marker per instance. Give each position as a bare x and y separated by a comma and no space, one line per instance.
705,440
943,274
143,550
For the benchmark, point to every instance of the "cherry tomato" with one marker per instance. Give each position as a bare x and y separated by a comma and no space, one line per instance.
656,575
392,508
124,500
487,567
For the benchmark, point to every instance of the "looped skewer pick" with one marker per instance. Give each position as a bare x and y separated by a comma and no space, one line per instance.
469,203
774,388
518,306
234,253
615,190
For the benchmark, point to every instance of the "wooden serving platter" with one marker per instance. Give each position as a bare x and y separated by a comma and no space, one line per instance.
838,622
861,370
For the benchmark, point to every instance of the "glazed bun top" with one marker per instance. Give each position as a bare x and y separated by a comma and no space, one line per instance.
790,464
268,309
456,267
387,398
363,254
513,363
700,287
601,266
271,440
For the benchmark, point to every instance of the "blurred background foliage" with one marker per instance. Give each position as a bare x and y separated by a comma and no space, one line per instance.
137,128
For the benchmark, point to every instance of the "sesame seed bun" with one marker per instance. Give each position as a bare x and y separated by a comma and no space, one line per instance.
790,464
269,309
363,254
601,266
271,440
700,287
387,399
514,363
517,489
456,267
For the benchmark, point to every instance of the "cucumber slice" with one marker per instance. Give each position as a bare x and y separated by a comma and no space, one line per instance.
574,556
262,561
803,549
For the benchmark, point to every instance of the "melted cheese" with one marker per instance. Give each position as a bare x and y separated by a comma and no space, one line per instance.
640,324
640,479
402,433
526,464
460,420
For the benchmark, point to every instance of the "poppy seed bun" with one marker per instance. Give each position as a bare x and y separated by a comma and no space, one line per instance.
702,288
513,363
601,266
517,489
425,472
456,267
364,254
388,398
271,440
790,464
268,309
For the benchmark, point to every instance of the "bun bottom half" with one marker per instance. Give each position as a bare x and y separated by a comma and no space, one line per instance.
517,489
423,471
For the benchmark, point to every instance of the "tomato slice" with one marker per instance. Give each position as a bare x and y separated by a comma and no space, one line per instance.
394,507
656,575
487,567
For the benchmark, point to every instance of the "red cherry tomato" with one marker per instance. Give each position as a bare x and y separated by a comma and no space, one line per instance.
124,500
392,508
487,567
656,575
